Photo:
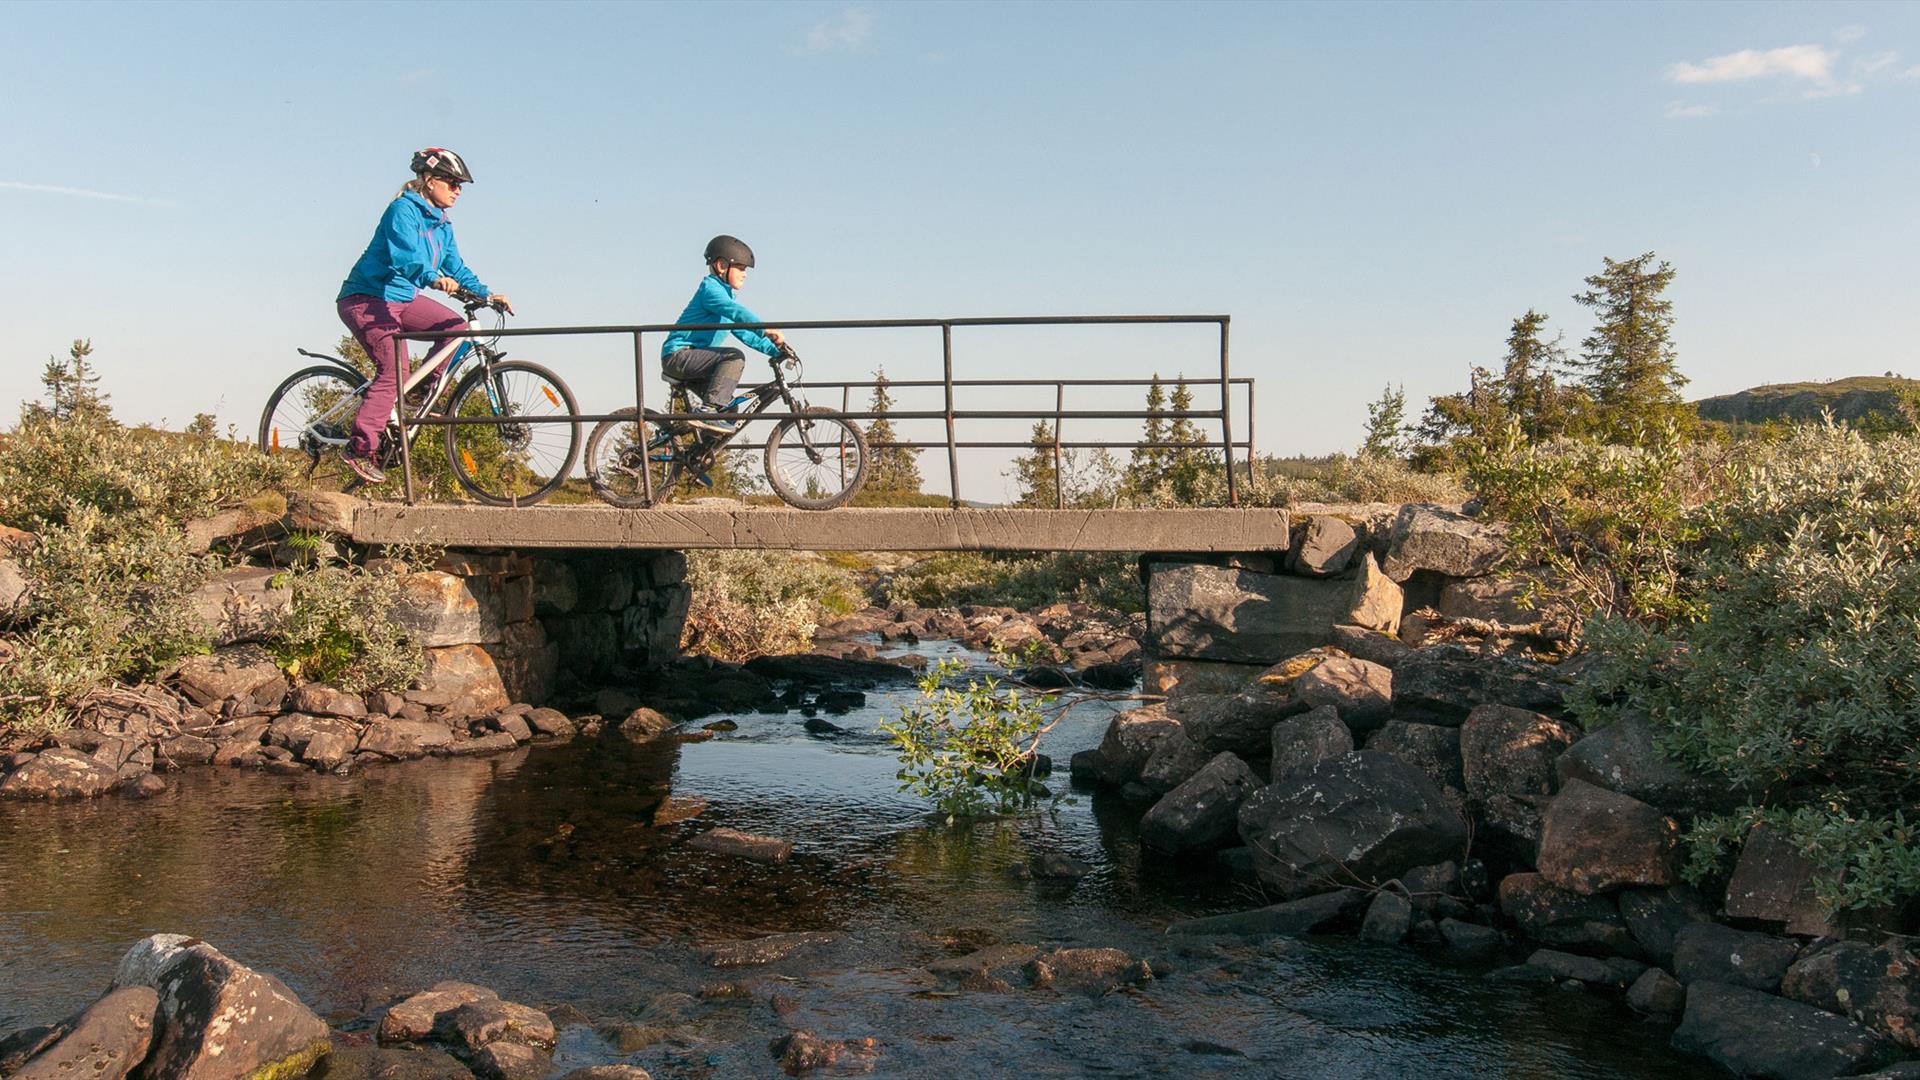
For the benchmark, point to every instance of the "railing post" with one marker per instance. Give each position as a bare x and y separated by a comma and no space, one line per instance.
1226,418
953,452
639,419
1059,418
1250,419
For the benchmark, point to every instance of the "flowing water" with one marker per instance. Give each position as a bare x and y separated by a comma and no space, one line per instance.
542,874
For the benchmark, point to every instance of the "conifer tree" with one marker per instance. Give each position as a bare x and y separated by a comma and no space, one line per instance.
1148,465
1190,461
72,388
1034,471
1387,424
1628,364
893,468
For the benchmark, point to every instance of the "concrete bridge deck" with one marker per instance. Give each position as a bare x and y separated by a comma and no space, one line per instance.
849,529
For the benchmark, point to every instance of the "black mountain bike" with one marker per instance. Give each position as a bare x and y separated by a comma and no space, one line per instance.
815,461
507,464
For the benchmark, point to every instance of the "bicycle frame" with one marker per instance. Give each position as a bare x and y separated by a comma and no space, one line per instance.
452,353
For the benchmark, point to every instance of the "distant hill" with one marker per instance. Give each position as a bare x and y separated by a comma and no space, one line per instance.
1849,400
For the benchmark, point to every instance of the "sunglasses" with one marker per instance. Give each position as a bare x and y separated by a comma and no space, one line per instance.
454,184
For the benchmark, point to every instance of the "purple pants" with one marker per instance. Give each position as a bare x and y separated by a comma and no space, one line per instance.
374,323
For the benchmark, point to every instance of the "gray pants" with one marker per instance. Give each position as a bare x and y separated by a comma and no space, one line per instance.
710,373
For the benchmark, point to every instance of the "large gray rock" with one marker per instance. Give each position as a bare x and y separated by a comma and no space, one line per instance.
1431,748
1129,741
1389,917
1595,840
1441,540
1773,882
438,608
1656,916
219,1019
1508,751
1360,689
106,1041
1359,818
60,773
402,740
224,673
1657,993
1552,915
1875,983
1203,812
1711,953
461,681
1622,757
1241,723
1173,760
1756,1034
1301,742
1216,613
321,511
1442,684
322,741
1326,546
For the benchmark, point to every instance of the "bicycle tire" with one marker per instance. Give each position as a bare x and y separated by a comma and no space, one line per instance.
610,469
512,464
303,401
820,473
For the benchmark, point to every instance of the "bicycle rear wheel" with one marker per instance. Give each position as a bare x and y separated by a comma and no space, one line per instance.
620,453
312,413
519,462
816,463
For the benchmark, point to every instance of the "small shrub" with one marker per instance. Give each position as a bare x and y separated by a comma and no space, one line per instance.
337,629
748,603
1105,579
964,748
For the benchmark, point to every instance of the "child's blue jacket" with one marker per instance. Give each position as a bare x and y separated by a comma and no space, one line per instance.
412,248
713,302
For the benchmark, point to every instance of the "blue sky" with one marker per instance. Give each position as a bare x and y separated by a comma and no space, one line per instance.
1372,191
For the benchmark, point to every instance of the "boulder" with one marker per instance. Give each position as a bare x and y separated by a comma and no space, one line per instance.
1203,812
1468,940
323,700
1326,546
1292,918
1389,917
1375,602
510,1061
1215,613
1360,689
1514,602
241,603
1614,972
643,724
1087,971
60,773
1301,742
438,608
106,1041
1129,741
1359,818
550,722
1754,1034
239,671
608,1072
1444,541
1552,915
416,1017
321,511
1595,840
463,680
1173,760
1875,983
1370,645
401,740
1711,953
1442,684
1622,757
219,1019
1509,751
1657,993
1773,882
476,1024
1431,748
1656,916
322,741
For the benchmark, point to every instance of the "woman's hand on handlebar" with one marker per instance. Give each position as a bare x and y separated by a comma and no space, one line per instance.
499,301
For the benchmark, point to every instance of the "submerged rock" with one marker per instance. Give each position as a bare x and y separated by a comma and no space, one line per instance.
1756,1034
726,841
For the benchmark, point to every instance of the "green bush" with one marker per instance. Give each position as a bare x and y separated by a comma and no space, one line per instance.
755,603
336,629
1780,646
964,747
1105,579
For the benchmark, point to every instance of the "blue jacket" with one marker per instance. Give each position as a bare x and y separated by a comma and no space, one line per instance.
412,248
713,302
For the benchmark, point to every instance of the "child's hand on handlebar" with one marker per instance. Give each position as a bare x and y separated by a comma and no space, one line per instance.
776,337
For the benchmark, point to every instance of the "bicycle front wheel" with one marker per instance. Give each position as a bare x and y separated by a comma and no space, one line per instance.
311,413
816,462
619,455
523,460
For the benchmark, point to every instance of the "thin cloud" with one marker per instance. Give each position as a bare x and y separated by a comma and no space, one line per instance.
84,193
1680,110
846,32
1848,34
1910,73
1813,63
1878,62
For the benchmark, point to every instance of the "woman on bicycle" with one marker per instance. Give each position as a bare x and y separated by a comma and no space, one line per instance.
412,249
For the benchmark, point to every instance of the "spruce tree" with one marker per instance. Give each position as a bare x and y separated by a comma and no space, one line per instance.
1148,466
73,388
893,468
1189,462
1034,471
1387,424
1628,364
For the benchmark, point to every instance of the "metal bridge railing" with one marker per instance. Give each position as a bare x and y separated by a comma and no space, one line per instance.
951,415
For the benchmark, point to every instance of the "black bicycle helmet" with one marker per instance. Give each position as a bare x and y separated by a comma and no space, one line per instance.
439,161
731,249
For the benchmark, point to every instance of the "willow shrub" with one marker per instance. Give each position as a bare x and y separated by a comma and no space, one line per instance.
1761,605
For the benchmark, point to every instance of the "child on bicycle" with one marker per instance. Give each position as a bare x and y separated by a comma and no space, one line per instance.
412,249
689,356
